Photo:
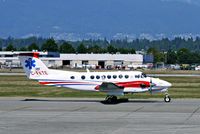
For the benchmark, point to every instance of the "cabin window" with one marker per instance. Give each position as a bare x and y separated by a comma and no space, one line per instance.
137,76
109,76
126,76
83,77
98,77
114,76
120,76
103,76
92,77
72,77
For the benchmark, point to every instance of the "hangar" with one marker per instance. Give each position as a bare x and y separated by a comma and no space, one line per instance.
101,60
51,59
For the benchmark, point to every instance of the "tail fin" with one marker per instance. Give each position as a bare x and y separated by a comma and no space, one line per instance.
33,66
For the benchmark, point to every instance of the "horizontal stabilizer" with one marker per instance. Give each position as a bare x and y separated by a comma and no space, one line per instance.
34,54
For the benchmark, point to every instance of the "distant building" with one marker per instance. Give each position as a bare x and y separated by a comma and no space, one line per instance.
10,59
75,60
148,58
102,60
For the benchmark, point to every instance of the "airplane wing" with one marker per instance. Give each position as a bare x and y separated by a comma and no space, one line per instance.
110,88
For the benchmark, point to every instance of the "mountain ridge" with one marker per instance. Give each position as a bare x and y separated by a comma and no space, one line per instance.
105,18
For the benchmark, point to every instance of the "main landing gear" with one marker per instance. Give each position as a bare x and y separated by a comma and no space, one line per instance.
167,98
111,99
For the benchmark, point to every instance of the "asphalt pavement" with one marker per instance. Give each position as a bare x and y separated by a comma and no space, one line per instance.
91,116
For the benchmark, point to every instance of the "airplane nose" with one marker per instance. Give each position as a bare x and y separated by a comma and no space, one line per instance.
161,83
167,84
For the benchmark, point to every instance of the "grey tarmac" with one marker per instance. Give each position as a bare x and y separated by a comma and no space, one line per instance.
91,116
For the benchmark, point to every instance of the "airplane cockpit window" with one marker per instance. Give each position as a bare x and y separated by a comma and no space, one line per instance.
83,77
143,75
108,76
92,77
120,76
114,76
72,77
97,77
126,76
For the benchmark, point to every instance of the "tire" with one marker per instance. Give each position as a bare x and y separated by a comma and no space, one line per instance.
167,99
111,99
114,99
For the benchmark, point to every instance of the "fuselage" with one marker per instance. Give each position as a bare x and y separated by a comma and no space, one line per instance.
131,81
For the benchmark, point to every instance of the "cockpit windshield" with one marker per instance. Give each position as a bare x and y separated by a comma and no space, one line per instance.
143,75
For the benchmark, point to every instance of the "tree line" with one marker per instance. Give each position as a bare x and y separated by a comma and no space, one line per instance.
179,50
165,44
182,56
66,47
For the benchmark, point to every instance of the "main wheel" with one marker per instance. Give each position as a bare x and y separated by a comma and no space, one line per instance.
111,99
114,99
167,98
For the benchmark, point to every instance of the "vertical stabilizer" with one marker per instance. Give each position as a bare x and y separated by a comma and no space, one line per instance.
33,66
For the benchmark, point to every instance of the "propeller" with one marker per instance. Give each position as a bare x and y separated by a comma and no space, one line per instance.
151,86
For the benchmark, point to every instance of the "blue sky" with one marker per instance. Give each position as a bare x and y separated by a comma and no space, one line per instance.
98,18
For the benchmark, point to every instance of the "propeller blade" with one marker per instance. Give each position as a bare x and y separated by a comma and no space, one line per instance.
151,86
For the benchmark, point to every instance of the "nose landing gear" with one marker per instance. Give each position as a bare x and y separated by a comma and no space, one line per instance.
167,98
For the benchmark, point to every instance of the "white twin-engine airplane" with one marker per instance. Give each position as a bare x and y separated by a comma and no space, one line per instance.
113,83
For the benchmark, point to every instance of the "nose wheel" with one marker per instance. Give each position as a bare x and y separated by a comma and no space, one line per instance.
167,98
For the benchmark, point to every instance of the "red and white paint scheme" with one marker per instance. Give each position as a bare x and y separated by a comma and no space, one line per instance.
113,83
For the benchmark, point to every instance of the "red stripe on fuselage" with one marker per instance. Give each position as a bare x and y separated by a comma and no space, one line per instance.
134,84
46,83
130,84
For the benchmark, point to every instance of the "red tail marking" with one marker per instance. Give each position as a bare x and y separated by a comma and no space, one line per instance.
34,54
